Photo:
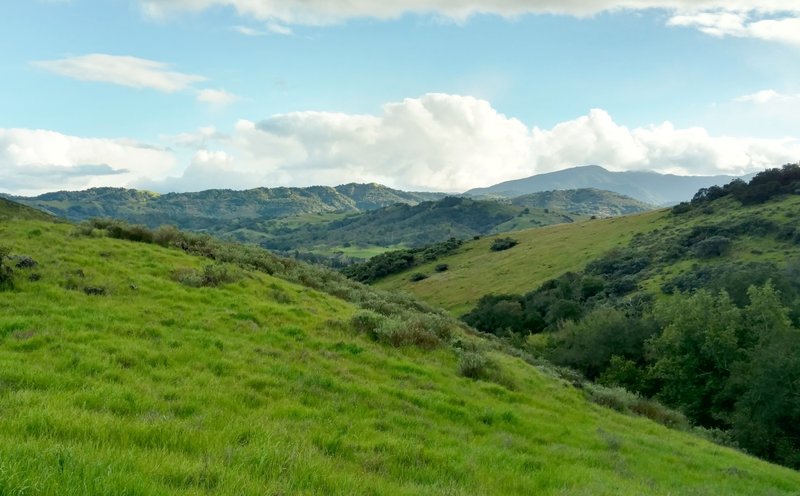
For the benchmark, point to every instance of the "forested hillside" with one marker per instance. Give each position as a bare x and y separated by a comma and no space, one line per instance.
213,210
700,310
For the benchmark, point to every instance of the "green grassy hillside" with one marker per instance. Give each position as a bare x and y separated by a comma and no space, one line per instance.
15,211
541,254
130,368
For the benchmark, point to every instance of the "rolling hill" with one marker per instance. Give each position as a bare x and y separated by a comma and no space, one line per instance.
648,187
212,209
355,220
412,225
182,365
542,254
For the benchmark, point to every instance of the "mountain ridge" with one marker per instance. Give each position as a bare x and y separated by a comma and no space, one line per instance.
646,186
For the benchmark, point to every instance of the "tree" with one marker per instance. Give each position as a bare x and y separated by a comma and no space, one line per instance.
590,344
766,416
694,354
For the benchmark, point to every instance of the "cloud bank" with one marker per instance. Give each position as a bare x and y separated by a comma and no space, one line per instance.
771,20
435,142
37,161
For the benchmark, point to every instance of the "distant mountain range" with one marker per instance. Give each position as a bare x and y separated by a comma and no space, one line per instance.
206,210
649,187
356,219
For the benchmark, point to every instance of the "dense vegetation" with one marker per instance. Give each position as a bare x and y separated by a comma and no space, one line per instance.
208,367
723,348
207,210
415,225
399,260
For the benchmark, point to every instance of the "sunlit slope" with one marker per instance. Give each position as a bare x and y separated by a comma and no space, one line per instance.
10,210
258,386
541,254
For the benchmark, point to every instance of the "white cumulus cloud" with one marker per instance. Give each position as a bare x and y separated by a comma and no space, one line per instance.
454,143
744,24
434,142
36,161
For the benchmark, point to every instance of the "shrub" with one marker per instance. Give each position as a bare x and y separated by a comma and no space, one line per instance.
418,276
442,267
472,365
366,322
25,262
426,331
501,244
215,275
715,246
188,277
6,274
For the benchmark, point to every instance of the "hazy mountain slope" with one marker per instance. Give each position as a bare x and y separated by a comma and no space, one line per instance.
586,201
259,386
648,187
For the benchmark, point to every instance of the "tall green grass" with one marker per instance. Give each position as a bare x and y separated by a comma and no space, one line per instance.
261,386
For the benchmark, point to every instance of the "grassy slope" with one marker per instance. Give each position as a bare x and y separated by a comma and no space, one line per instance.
542,254
257,387
14,211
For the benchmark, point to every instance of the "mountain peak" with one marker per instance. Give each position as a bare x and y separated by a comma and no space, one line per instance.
646,186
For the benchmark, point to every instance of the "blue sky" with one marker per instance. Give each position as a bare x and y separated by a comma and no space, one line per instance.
419,94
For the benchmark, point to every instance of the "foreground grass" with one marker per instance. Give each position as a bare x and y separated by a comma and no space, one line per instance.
542,254
259,387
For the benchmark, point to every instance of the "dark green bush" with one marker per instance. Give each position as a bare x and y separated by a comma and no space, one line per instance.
417,276
501,244
715,246
6,274
442,267
366,322
472,364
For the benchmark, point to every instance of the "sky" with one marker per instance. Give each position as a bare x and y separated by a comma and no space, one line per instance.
445,95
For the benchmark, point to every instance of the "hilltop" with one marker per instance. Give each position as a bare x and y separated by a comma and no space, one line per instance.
645,186
181,365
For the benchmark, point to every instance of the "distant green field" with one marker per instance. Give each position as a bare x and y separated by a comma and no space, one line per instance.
259,387
541,254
